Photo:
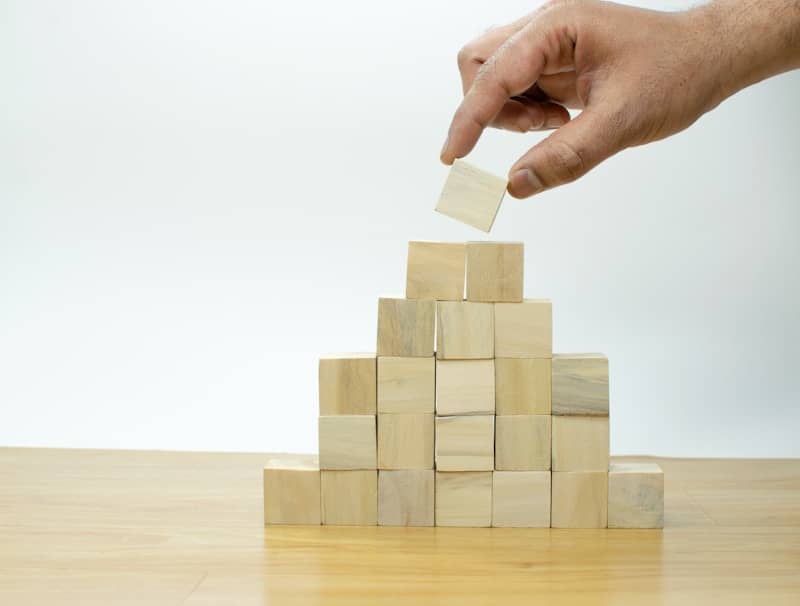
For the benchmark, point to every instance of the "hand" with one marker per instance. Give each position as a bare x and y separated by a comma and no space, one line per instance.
638,76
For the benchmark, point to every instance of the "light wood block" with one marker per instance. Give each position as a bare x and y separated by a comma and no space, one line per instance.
464,499
579,499
464,330
406,385
405,441
292,490
521,499
635,495
471,195
436,270
495,271
350,498
522,443
523,330
522,386
406,497
580,384
347,384
464,387
465,443
580,444
406,327
348,442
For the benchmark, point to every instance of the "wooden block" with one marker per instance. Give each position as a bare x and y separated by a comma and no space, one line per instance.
495,271
405,441
522,386
471,195
350,498
523,330
436,270
521,499
465,443
347,442
464,330
464,387
464,499
406,385
347,384
579,499
635,495
580,444
406,497
580,384
406,327
292,490
522,443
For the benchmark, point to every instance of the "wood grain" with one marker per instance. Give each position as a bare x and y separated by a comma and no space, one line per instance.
522,442
522,386
406,497
436,270
580,443
524,330
471,195
465,443
580,384
579,499
348,442
347,384
464,387
292,490
406,327
464,498
464,330
405,441
350,498
406,385
635,495
495,271
521,499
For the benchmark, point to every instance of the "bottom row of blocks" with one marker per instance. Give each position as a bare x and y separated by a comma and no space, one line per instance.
629,496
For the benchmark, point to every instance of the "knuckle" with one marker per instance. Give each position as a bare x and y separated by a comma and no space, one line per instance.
565,161
466,56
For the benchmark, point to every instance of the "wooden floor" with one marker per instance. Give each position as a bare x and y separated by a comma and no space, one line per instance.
121,527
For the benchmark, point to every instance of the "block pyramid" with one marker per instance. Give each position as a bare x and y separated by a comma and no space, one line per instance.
463,416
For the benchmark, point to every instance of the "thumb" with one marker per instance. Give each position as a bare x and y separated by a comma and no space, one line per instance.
568,153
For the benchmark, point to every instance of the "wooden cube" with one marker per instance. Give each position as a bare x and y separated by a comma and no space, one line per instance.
635,495
347,384
465,443
436,270
522,443
521,499
348,442
580,384
292,490
406,385
522,386
406,497
523,330
350,498
471,195
495,271
579,499
464,330
464,387
406,327
405,441
464,499
580,444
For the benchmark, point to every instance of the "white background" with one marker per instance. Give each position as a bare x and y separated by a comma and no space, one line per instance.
199,198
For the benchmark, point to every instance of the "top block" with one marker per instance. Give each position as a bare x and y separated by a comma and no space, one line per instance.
436,270
406,327
347,384
580,384
471,195
495,271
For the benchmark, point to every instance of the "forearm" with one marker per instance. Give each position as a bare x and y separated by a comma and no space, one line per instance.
754,39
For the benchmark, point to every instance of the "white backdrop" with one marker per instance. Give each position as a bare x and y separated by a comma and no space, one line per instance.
198,198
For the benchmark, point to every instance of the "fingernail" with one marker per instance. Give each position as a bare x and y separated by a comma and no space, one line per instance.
556,121
444,148
524,183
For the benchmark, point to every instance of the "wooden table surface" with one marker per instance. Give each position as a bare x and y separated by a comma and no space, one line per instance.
124,527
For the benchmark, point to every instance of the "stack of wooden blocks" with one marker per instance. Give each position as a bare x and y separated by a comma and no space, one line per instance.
463,417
